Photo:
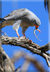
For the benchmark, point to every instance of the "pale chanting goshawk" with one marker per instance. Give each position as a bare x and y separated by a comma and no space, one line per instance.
21,18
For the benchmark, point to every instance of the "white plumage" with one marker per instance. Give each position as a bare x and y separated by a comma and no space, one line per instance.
16,25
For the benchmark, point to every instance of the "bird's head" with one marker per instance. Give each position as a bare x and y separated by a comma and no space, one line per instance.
37,24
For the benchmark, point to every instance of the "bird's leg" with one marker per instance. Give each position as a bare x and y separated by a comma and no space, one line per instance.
17,34
23,31
23,35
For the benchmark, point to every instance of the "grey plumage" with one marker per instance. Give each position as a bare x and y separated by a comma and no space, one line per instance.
21,18
22,14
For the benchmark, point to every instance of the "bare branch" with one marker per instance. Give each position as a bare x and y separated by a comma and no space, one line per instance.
45,47
28,59
7,63
25,44
47,62
25,66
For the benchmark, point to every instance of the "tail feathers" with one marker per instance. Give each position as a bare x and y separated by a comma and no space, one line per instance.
2,19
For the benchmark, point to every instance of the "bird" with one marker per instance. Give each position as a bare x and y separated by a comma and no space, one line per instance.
21,18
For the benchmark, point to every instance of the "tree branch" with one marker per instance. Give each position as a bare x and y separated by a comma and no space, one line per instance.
23,42
28,59
7,63
45,47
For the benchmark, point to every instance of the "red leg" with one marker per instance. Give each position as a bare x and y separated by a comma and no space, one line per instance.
17,34
24,35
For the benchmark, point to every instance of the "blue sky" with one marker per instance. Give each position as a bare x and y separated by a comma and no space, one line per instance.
38,8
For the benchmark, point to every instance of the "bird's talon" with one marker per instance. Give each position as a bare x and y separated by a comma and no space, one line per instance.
28,38
30,41
18,36
24,37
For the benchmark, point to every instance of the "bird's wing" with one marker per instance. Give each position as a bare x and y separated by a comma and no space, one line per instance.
21,13
16,25
33,18
30,16
16,14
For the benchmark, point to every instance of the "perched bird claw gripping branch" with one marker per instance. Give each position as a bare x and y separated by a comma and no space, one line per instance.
21,18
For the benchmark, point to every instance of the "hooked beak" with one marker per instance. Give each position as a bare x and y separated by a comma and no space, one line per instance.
36,26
